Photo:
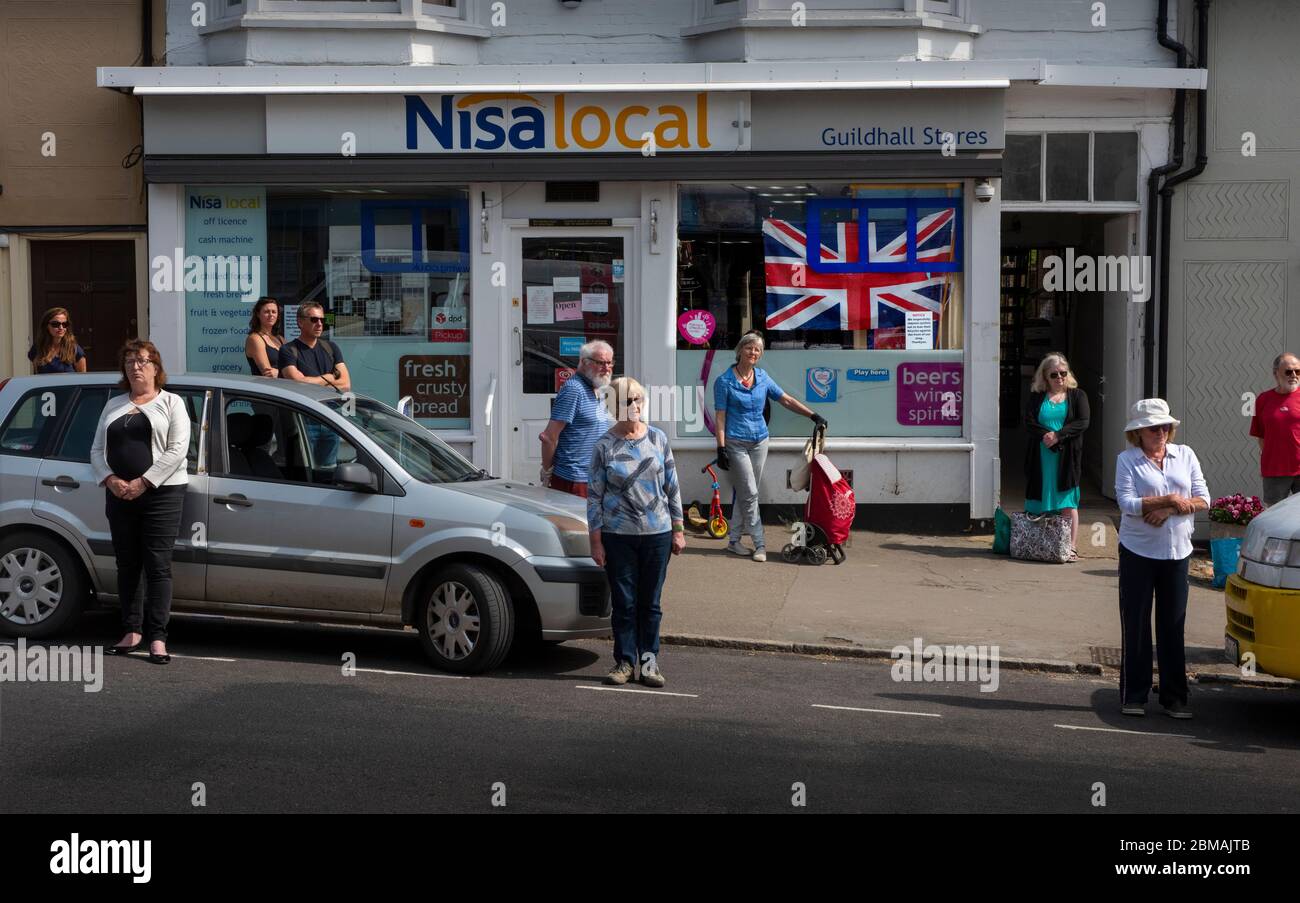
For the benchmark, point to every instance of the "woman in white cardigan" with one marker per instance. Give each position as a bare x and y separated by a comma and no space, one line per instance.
139,457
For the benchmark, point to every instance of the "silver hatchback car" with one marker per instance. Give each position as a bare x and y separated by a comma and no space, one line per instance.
302,504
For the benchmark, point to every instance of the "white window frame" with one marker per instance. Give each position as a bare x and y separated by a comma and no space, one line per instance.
343,8
1090,203
709,12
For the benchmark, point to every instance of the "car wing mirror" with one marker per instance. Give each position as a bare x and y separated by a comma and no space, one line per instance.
356,476
406,405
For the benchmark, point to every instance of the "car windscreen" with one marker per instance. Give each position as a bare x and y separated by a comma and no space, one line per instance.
418,451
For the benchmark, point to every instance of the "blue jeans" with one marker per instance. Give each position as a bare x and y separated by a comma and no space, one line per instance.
636,566
324,444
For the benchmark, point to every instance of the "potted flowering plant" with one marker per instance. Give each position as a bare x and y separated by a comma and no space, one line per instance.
1230,514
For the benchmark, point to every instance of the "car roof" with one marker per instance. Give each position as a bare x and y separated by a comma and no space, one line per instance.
284,388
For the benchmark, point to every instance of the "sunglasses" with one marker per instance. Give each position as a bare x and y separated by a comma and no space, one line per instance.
137,361
315,319
1061,375
59,324
1291,372
1161,428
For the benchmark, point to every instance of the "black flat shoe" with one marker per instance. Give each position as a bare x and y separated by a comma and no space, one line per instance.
157,659
123,650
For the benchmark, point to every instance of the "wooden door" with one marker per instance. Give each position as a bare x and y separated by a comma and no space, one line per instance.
95,281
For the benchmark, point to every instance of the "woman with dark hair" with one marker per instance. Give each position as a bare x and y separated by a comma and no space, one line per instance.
56,349
1056,417
265,339
138,456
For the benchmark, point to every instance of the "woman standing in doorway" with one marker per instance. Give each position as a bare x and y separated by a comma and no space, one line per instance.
1057,417
265,339
739,395
56,349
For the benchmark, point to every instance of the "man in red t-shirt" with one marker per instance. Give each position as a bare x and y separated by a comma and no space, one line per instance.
1277,426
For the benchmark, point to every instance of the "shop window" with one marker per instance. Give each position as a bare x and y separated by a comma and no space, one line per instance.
392,272
868,329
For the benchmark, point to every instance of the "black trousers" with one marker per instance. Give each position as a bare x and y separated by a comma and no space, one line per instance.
144,534
1139,578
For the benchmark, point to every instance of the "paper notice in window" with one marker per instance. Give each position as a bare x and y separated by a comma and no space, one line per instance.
568,310
541,304
568,283
361,290
920,330
595,303
618,269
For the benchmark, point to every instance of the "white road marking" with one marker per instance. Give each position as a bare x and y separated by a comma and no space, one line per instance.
204,658
849,708
413,674
633,690
1116,730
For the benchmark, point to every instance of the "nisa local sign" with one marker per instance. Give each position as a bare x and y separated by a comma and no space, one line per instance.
513,123
225,202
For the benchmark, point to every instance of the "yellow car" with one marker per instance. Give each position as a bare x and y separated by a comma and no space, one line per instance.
1263,597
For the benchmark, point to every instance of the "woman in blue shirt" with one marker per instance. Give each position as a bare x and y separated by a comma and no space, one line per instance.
739,396
56,349
1159,488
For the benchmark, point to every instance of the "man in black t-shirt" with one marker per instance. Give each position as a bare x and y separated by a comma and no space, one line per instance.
313,359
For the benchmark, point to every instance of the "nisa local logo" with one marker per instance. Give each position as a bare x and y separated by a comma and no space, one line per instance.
522,122
216,202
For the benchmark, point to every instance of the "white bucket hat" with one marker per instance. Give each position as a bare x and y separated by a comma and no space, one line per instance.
1149,412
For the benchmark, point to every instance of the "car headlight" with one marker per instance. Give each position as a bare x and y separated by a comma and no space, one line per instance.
1276,551
574,538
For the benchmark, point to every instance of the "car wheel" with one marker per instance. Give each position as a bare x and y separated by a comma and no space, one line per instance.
466,620
41,586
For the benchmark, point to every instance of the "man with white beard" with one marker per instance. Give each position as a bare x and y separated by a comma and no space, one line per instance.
1276,425
578,418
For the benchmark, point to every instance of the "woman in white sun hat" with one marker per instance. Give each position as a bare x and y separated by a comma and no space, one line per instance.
1159,487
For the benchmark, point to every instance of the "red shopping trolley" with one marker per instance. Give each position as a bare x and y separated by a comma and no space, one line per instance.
828,516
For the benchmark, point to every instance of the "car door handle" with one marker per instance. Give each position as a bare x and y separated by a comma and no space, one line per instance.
237,500
62,483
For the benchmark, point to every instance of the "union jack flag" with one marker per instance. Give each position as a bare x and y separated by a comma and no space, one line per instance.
800,298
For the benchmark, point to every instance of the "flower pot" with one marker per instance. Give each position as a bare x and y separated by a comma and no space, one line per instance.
1227,531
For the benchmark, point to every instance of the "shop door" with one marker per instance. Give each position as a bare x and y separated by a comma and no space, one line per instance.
95,281
569,286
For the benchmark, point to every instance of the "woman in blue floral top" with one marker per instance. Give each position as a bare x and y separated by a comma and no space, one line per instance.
634,513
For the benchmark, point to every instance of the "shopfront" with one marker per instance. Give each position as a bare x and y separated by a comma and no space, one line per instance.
464,246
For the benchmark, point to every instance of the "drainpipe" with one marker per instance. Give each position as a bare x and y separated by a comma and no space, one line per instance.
1153,190
146,33
1167,191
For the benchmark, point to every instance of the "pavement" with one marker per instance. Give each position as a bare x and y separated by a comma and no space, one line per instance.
945,589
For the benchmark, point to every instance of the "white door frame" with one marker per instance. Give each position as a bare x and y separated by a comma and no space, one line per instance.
512,409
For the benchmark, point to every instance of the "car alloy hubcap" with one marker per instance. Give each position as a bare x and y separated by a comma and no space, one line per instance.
453,621
31,586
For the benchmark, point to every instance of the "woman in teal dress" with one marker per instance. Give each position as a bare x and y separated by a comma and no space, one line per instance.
1056,417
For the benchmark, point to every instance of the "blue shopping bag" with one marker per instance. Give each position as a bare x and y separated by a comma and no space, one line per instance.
1224,554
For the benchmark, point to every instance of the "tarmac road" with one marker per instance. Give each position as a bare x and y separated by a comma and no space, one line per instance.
263,716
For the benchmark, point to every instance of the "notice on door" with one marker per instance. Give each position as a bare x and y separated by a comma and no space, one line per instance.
438,384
